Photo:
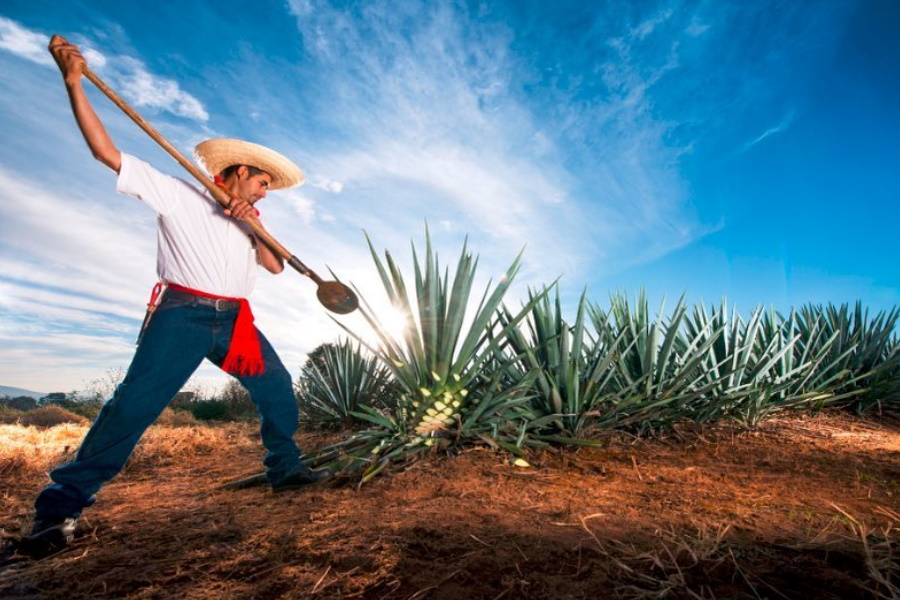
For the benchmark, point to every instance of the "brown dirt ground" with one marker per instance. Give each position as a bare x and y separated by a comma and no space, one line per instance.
799,508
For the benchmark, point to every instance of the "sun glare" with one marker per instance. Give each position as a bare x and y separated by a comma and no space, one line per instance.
392,322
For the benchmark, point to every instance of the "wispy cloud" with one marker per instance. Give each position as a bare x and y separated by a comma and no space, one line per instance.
696,27
148,90
433,101
646,27
780,127
23,42
436,133
127,74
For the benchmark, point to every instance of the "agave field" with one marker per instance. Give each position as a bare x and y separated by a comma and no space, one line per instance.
471,370
619,451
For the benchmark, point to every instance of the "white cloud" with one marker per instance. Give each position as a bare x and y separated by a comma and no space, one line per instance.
95,59
23,42
128,75
72,240
145,89
74,278
328,185
300,8
301,204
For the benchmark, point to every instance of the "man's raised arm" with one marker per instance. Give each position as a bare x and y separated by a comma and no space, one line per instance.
70,62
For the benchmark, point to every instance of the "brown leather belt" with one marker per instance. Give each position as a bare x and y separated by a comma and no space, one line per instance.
218,303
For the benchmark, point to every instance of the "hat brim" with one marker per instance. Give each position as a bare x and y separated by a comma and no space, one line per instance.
218,154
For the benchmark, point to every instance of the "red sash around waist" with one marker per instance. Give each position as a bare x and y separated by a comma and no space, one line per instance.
244,352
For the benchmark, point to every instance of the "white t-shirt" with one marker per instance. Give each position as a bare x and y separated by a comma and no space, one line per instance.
198,246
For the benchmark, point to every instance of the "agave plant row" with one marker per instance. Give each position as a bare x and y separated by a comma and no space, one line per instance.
515,378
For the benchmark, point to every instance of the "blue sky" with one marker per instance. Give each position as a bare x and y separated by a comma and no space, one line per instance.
743,150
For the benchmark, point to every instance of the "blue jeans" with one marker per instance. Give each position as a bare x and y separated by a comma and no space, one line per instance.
177,339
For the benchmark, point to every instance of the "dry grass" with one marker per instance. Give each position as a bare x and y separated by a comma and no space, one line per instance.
45,416
163,444
35,449
881,548
672,562
32,450
29,453
176,418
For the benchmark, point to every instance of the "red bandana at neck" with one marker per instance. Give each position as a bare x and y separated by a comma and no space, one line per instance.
221,183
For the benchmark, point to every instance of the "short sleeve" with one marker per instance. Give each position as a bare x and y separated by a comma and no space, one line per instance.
139,180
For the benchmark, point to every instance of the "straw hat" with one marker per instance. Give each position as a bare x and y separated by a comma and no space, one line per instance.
218,154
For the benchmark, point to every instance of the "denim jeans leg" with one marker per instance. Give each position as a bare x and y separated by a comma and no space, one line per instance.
174,344
273,394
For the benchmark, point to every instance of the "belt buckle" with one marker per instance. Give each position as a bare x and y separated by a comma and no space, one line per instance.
222,305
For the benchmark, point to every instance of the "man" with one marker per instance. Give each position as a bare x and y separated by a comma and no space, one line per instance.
207,260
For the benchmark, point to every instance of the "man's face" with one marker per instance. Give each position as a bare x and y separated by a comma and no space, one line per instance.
252,188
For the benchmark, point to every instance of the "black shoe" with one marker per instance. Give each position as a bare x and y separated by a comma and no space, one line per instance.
49,535
302,477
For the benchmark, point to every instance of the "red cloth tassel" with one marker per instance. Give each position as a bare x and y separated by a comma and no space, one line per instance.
244,353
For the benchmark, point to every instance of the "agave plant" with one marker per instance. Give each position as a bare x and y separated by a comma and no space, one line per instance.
862,361
750,370
657,367
451,389
572,371
337,379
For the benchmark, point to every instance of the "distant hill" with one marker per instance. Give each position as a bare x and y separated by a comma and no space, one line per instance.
14,392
